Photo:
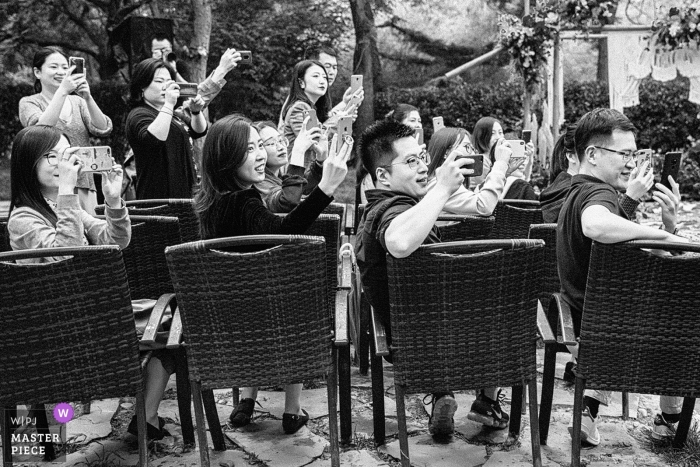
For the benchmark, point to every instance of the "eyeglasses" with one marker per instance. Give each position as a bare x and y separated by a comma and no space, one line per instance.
414,161
626,155
273,142
52,157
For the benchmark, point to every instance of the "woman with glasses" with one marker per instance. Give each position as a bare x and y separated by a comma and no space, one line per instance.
465,201
162,141
282,193
64,100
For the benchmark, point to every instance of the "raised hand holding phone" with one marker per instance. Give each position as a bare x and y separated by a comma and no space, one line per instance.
669,200
112,185
304,140
335,167
641,181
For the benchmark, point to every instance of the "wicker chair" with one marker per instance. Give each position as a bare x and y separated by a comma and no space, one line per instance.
4,236
68,332
442,337
291,326
183,209
627,348
514,217
465,228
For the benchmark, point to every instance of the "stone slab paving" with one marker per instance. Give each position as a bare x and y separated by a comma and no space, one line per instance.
424,451
351,459
96,424
514,459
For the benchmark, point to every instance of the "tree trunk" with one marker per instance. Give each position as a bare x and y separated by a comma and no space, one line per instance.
366,60
602,74
200,43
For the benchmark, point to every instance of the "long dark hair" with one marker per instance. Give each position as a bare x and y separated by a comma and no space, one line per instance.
400,112
296,93
142,76
481,136
28,147
440,143
224,152
40,57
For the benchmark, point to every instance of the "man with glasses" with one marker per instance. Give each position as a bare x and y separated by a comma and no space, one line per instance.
604,141
400,216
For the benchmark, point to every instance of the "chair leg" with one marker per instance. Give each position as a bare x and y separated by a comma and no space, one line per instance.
184,396
576,430
550,359
403,429
236,394
523,405
6,428
345,395
378,398
625,405
201,430
333,406
217,435
141,428
364,344
42,427
534,424
516,411
684,423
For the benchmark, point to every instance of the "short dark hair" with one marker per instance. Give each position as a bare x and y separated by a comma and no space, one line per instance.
314,52
40,57
376,144
160,36
142,76
400,112
596,124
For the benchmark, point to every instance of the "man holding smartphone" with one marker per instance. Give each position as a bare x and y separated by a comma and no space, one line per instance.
604,142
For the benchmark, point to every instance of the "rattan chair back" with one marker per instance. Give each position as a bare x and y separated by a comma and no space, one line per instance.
328,226
183,209
144,258
514,217
463,315
253,318
67,327
548,233
465,228
639,331
4,236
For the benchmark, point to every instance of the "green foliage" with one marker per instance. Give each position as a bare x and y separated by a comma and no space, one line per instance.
10,94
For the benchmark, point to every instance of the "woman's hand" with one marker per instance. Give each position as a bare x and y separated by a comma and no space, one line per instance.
172,92
195,104
112,185
669,201
641,181
335,167
229,60
82,87
69,165
307,138
70,82
529,150
320,147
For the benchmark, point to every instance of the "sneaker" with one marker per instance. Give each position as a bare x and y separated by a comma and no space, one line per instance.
570,372
442,421
488,412
662,429
589,428
243,413
292,423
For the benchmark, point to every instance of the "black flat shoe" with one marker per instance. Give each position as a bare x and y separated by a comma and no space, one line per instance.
152,433
292,423
243,413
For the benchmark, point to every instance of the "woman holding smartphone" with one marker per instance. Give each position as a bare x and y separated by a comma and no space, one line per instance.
465,201
227,204
64,100
162,142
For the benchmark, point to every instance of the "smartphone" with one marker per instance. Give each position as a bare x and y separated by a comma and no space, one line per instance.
95,158
355,83
438,124
313,119
188,89
419,135
246,57
672,164
478,165
527,136
518,148
644,155
344,129
79,64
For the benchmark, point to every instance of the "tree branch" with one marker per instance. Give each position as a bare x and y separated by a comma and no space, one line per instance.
124,12
61,43
406,59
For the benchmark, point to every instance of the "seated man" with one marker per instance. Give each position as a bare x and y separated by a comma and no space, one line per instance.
605,145
399,217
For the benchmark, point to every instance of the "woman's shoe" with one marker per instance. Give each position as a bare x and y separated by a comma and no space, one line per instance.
292,423
243,413
152,433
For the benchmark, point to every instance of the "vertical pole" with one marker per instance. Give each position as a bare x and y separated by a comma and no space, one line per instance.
558,99
527,98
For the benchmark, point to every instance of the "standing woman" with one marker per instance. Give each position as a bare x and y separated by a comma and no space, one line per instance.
406,114
308,90
64,100
162,142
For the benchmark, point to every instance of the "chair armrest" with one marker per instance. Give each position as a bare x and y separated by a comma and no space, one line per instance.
566,323
341,318
175,335
379,335
149,334
350,219
346,257
543,326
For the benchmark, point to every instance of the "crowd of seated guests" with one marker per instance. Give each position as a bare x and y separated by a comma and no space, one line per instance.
250,171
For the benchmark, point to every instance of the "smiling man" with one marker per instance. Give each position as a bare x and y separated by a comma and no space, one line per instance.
605,144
